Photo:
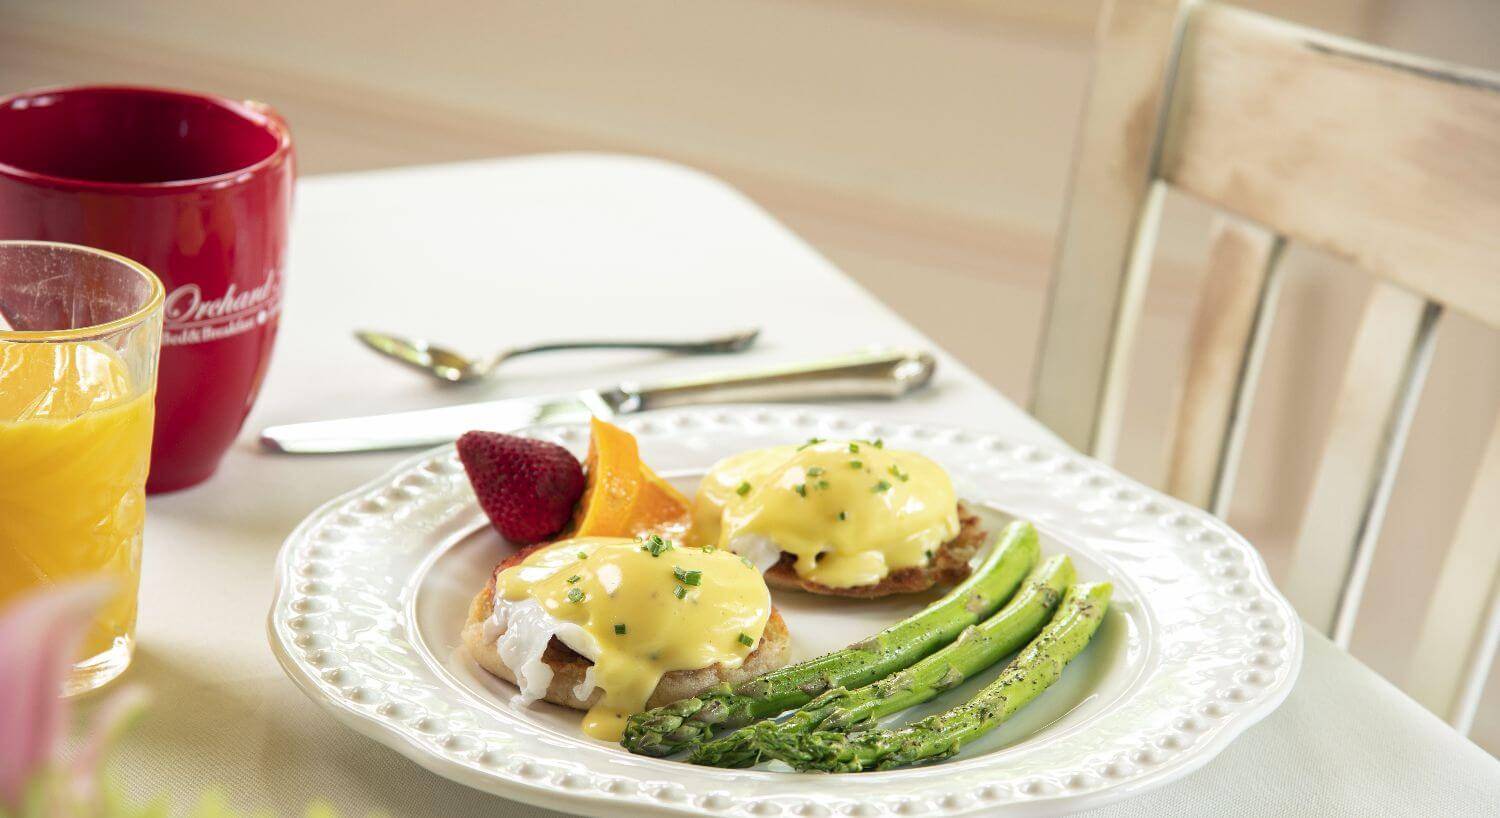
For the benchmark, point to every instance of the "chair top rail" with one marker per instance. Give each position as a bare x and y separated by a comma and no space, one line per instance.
1386,159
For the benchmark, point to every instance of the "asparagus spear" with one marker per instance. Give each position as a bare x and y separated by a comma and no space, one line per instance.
940,736
687,722
841,709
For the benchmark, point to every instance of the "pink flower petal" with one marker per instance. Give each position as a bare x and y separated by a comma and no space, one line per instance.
39,636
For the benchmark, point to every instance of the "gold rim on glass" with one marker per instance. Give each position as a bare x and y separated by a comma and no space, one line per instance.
153,301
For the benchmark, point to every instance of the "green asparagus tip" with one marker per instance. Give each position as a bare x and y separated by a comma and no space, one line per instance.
737,750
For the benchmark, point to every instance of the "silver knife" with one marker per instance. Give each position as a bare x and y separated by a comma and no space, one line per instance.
883,374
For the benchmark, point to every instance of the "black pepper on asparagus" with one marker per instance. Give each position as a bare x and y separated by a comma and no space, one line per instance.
841,709
1033,670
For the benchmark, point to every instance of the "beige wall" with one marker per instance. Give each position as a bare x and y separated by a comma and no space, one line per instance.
922,144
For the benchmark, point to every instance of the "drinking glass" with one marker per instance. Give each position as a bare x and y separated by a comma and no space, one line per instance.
80,332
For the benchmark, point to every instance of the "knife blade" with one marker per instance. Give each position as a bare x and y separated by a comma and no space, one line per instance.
429,427
877,374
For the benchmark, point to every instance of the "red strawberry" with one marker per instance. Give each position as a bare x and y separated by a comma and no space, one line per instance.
527,487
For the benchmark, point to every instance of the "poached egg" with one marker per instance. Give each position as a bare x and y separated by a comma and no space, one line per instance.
636,608
850,512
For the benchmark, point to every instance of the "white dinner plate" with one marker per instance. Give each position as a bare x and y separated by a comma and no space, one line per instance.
373,589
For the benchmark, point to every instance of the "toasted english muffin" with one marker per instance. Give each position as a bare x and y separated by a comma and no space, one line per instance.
950,565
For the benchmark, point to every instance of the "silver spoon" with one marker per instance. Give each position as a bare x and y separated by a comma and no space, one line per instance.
454,367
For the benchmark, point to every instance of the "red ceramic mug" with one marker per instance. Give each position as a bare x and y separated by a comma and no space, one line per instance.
198,189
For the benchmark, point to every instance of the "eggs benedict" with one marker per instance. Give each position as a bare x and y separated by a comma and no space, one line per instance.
615,625
850,518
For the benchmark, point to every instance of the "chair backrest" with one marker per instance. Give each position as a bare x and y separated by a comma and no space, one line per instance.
1390,161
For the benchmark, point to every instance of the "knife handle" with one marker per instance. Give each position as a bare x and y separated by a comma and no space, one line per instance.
882,374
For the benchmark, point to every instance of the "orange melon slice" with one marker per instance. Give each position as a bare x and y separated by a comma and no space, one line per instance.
622,497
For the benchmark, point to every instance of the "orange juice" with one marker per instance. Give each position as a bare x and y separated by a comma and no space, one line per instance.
75,444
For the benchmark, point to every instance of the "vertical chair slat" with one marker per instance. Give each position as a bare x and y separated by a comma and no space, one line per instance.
1462,626
1112,208
1371,417
1228,343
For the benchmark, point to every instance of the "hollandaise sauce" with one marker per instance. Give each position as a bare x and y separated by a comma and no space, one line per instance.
850,512
637,608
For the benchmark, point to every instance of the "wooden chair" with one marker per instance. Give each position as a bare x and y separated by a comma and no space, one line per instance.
1295,135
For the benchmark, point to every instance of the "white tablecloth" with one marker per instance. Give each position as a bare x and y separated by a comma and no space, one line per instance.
491,253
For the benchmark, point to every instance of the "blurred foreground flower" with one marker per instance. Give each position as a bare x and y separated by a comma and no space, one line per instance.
39,636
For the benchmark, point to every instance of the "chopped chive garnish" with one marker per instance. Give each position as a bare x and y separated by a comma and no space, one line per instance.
582,555
879,444
814,471
812,441
709,549
575,595
928,552
822,484
574,579
657,546
745,639
801,488
856,464
747,562
897,473
881,486
743,489
687,577
679,591
843,516
853,448
619,630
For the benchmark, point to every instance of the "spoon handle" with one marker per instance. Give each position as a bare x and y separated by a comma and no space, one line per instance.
733,342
